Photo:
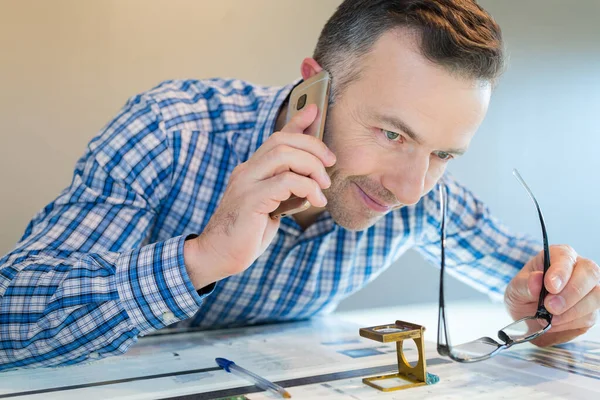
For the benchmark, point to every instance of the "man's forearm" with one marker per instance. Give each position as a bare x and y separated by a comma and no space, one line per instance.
99,302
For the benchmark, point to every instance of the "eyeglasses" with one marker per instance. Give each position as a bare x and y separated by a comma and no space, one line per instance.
521,331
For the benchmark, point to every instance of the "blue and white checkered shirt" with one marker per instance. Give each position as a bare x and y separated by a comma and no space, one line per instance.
103,263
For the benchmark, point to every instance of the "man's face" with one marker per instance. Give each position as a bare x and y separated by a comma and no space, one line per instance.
394,130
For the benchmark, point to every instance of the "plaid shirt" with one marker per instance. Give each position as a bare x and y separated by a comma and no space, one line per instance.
103,263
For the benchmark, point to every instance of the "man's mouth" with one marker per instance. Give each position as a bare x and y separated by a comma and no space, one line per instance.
372,202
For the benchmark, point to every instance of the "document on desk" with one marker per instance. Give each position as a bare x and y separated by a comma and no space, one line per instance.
570,371
312,359
180,364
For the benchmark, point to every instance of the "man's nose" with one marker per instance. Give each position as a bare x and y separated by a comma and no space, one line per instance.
406,179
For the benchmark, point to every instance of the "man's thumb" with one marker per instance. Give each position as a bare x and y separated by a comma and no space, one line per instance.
525,288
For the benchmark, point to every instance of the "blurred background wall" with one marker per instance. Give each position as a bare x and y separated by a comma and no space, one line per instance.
67,66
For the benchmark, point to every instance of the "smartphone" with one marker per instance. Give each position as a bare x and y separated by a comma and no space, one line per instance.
314,90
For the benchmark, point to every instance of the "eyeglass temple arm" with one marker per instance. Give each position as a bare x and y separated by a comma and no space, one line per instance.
442,334
443,341
541,312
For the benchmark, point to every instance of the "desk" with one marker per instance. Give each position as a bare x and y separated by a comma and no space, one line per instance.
316,359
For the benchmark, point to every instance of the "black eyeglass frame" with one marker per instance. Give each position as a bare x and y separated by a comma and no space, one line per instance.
444,346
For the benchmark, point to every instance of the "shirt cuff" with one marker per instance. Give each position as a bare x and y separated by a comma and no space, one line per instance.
154,286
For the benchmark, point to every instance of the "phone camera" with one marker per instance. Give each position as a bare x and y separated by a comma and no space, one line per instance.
301,102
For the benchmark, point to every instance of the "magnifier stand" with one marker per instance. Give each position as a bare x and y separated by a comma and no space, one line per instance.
399,332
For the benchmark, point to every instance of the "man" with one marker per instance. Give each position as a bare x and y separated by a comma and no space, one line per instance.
167,217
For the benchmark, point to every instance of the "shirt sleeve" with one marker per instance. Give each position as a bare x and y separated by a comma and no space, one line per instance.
480,251
83,282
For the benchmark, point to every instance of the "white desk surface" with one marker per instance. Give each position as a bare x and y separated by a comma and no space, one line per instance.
321,359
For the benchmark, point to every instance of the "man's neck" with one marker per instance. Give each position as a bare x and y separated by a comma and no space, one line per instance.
308,217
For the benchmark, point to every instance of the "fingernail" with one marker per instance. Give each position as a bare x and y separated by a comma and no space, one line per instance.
556,282
331,156
557,304
323,197
327,179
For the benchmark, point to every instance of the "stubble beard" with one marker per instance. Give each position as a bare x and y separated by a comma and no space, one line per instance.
340,202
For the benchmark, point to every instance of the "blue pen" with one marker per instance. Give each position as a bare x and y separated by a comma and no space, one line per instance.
262,383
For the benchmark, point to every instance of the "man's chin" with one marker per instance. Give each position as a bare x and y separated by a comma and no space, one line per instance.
356,227
353,222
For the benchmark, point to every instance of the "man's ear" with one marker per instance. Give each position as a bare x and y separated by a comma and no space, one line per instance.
309,68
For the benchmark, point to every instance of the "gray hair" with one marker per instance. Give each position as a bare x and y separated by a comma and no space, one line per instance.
456,34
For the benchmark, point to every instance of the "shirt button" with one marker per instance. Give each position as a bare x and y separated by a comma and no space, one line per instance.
168,317
274,296
94,355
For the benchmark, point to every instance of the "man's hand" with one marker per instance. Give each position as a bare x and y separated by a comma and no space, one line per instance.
288,163
573,285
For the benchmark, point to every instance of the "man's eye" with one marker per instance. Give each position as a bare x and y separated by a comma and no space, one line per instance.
391,136
442,155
